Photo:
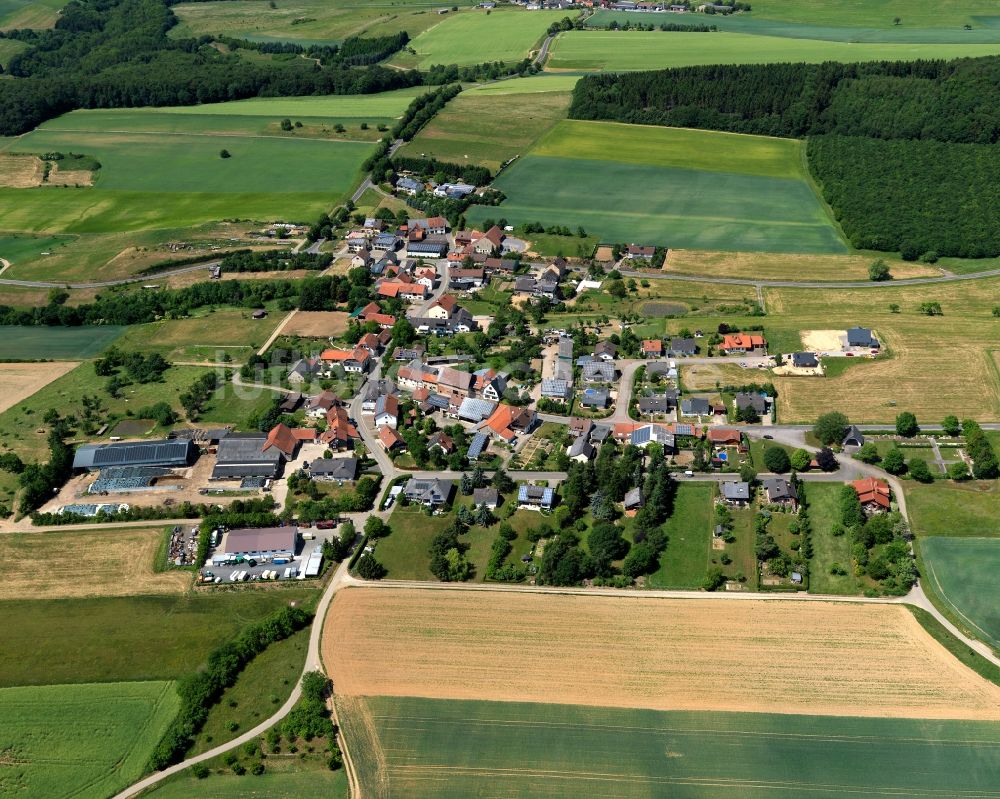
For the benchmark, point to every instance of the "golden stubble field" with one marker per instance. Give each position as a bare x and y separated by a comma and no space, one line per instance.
316,324
787,266
18,381
762,656
85,563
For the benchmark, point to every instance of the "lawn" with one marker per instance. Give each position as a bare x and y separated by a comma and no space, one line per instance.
260,690
689,534
665,196
433,748
304,21
206,336
466,129
962,573
642,50
954,509
56,343
126,638
85,741
305,784
824,512
477,37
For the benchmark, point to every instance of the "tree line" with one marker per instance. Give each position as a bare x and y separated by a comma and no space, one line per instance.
922,198
274,261
951,101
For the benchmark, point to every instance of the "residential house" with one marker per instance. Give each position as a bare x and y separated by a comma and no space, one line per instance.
443,307
489,242
475,410
658,403
317,407
683,347
387,411
595,398
303,371
441,441
805,360
581,450
633,501
744,400
652,348
644,435
330,469
357,242
390,440
489,384
556,389
489,497
362,258
535,497
456,191
580,427
429,492
385,242
725,436
641,252
853,440
605,351
407,185
873,493
742,343
356,361
780,491
291,402
374,389
411,353
695,406
859,338
467,279
504,266
598,372
736,493
282,438
507,421
340,433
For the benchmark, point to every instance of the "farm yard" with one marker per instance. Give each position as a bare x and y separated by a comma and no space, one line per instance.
664,191
620,51
962,573
87,563
696,655
85,741
477,37
452,749
466,128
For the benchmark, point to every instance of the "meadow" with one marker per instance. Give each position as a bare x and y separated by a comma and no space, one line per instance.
18,248
29,13
56,343
622,51
650,194
126,638
86,563
466,129
828,549
954,510
540,83
284,784
304,22
19,381
428,748
85,741
689,539
746,655
928,14
962,572
477,37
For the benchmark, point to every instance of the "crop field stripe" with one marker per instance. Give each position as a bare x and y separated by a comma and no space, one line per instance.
967,565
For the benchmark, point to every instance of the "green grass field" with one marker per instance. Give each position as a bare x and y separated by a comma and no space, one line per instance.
10,48
828,549
311,784
845,27
880,14
18,248
543,82
689,539
259,691
754,206
962,573
29,13
161,168
443,749
640,50
57,343
477,37
85,741
954,509
304,21
127,638
466,129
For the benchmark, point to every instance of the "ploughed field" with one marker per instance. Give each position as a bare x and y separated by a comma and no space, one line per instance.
698,655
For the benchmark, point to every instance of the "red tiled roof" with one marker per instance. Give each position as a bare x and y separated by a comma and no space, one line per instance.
389,437
872,490
281,438
742,341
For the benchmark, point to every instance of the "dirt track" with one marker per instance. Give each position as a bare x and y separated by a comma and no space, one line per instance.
788,657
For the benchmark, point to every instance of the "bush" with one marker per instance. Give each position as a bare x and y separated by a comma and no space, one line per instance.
369,568
831,428
919,470
777,460
906,425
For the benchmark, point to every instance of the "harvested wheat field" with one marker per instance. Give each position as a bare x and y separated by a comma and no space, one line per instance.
705,376
21,171
85,563
786,266
762,656
316,324
19,381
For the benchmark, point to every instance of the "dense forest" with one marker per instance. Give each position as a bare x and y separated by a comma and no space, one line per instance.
917,197
116,53
950,101
905,153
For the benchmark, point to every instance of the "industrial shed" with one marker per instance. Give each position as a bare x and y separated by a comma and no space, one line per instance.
243,455
262,543
175,454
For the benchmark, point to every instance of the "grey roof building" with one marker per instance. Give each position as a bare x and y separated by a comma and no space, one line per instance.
853,438
861,337
658,403
682,346
263,542
755,401
805,360
489,497
566,347
242,455
695,406
555,388
333,468
174,453
633,499
428,492
475,410
595,398
779,490
581,448
536,496
736,491
598,371
477,446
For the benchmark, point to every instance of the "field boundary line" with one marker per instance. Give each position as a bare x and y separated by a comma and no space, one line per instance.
217,135
939,590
